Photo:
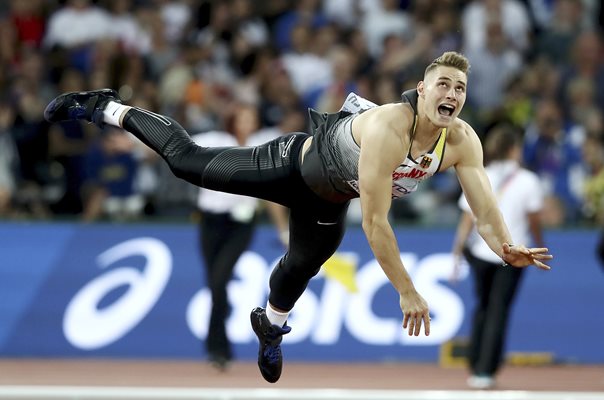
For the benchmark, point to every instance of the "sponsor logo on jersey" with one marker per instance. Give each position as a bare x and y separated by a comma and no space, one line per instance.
354,185
413,174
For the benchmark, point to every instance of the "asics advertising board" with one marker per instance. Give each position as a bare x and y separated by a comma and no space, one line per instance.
138,291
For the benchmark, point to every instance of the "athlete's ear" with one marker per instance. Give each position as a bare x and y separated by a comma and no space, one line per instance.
420,88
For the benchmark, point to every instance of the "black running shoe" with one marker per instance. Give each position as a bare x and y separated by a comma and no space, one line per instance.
270,359
87,106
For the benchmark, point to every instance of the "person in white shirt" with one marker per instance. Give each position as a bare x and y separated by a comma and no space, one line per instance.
77,24
227,226
520,199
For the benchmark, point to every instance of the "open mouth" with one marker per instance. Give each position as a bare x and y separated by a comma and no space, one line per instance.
446,109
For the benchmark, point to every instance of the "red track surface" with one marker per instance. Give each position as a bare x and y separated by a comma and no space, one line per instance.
295,375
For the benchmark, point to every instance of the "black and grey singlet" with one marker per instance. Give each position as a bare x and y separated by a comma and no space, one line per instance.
330,165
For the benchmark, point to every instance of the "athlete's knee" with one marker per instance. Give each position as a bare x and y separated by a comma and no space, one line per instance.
186,163
287,283
298,268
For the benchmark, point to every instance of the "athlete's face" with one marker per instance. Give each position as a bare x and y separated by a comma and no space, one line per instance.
444,93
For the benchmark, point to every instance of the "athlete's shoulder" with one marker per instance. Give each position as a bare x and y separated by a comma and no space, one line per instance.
463,145
460,132
461,127
389,115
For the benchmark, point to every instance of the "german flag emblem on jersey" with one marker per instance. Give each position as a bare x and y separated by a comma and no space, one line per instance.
426,161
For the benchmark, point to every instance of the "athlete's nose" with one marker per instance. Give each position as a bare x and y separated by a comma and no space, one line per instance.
451,93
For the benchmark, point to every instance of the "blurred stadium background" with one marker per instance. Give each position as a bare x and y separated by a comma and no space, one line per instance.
101,283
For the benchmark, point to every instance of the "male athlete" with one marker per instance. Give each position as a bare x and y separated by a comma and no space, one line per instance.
377,153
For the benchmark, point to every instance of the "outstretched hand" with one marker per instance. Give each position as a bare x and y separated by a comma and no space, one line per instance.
416,310
520,256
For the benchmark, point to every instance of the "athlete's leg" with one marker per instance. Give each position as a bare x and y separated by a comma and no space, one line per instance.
262,171
314,238
316,230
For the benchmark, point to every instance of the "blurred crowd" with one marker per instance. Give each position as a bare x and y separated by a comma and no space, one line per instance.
536,65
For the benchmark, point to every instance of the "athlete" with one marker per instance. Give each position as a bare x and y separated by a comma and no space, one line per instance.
377,153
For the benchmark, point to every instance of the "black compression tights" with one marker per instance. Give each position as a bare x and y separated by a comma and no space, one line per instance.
269,171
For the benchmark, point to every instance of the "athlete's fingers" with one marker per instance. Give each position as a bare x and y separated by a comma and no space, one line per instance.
418,325
411,325
427,320
541,265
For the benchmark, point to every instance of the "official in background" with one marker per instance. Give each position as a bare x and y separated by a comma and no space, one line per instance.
520,199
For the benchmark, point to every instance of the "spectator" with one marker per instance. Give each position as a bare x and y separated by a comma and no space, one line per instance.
593,150
560,31
493,67
249,26
550,152
243,49
512,14
176,16
162,53
8,159
132,38
304,12
380,22
109,184
581,95
329,98
347,13
445,26
29,20
73,31
39,181
593,153
68,143
307,70
585,63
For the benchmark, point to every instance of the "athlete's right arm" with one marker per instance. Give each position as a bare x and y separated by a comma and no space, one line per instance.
381,150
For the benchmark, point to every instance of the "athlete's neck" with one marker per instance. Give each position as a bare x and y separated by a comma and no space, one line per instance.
425,131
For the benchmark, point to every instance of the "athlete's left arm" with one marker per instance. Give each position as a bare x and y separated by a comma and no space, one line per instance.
489,221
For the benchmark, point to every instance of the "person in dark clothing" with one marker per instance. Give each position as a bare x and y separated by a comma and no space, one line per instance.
375,153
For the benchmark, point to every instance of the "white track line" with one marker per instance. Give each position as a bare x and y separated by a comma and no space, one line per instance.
94,392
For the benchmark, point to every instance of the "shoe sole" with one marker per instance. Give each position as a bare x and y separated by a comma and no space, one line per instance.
50,112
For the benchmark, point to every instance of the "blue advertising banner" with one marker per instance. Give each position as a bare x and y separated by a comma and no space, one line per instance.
138,291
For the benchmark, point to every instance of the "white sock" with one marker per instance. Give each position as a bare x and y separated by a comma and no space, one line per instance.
276,317
112,113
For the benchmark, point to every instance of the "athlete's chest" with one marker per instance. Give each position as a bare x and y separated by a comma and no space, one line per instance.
407,176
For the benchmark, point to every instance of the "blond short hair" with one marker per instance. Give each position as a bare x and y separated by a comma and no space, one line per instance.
450,59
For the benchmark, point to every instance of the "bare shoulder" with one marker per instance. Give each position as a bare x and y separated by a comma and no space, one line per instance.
387,113
387,119
461,133
462,144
